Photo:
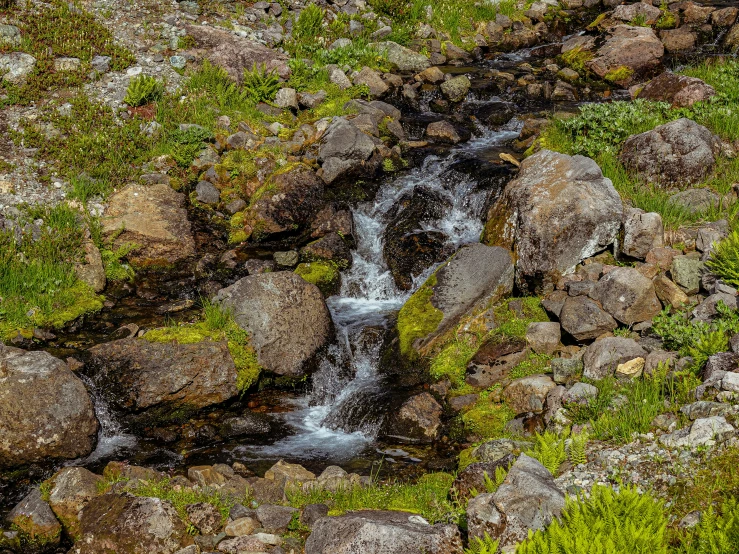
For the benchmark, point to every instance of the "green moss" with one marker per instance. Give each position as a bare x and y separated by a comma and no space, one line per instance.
577,58
466,458
619,74
325,275
532,365
451,362
514,315
418,318
486,419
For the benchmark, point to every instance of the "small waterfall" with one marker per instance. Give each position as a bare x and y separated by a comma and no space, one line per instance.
344,411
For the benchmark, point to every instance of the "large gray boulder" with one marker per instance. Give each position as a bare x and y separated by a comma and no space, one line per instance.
45,410
158,379
557,212
123,523
474,277
585,319
402,58
603,356
642,232
344,150
629,54
677,153
285,316
381,532
627,295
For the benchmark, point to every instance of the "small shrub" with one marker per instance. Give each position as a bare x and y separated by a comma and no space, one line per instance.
724,260
608,522
143,90
639,21
309,23
261,85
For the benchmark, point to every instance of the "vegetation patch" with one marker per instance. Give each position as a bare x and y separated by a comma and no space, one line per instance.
418,318
724,260
487,419
325,275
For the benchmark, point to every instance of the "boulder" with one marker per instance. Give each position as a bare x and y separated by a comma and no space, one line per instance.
475,276
443,131
472,478
382,532
402,58
373,80
579,393
417,420
627,295
92,270
38,527
152,217
286,98
483,518
677,153
528,498
15,67
207,193
289,475
642,232
628,12
603,356
71,489
668,292
241,545
679,90
456,88
629,54
493,360
724,17
557,212
686,271
45,410
275,519
703,431
289,202
528,394
543,337
286,318
331,247
123,523
344,150
224,49
584,319
566,370
161,379
207,518
678,40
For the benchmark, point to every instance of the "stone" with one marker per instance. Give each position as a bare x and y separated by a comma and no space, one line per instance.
339,78
242,526
584,319
432,75
205,476
472,479
206,518
286,98
603,356
657,358
704,409
642,232
695,200
245,424
627,295
529,499
707,238
289,475
101,64
662,257
137,375
417,420
557,212
677,153
566,370
373,80
286,318
331,247
45,410
579,393
310,101
265,490
493,360
686,272
10,35
16,67
443,131
207,193
629,12
679,90
92,271
402,58
543,337
730,382
152,217
312,513
703,431
71,489
381,532
124,523
275,519
629,54
668,292
528,394
724,17
286,259
239,545
707,311
456,88
483,518
632,369
35,521
677,40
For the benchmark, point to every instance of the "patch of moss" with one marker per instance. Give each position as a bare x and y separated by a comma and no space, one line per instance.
486,419
466,458
418,318
325,275
619,74
514,315
577,58
597,21
532,365
85,302
451,362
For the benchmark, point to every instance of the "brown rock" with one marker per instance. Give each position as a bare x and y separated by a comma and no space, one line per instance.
635,50
678,40
528,394
71,489
668,292
679,90
493,360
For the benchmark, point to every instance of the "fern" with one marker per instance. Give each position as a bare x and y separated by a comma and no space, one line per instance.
577,448
142,90
261,85
724,260
606,523
308,25
717,533
492,484
707,345
485,545
549,449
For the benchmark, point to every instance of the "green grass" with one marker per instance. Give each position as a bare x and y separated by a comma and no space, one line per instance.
428,497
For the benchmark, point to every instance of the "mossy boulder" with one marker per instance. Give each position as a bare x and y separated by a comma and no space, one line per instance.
70,489
474,277
325,275
630,53
37,527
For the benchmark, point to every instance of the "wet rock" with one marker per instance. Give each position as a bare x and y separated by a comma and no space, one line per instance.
402,58
275,519
163,378
543,337
585,319
456,88
152,217
417,420
45,411
286,318
332,247
676,153
16,67
36,524
381,532
629,54
528,498
71,489
627,295
443,131
528,394
642,233
603,356
333,218
493,360
245,424
234,54
122,523
289,204
559,211
345,147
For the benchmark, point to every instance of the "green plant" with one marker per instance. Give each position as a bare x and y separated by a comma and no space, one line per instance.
608,522
549,449
576,451
143,90
261,85
724,260
640,20
718,531
484,545
83,188
493,483
308,25
667,19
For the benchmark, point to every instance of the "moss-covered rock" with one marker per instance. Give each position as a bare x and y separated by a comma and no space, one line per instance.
325,275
